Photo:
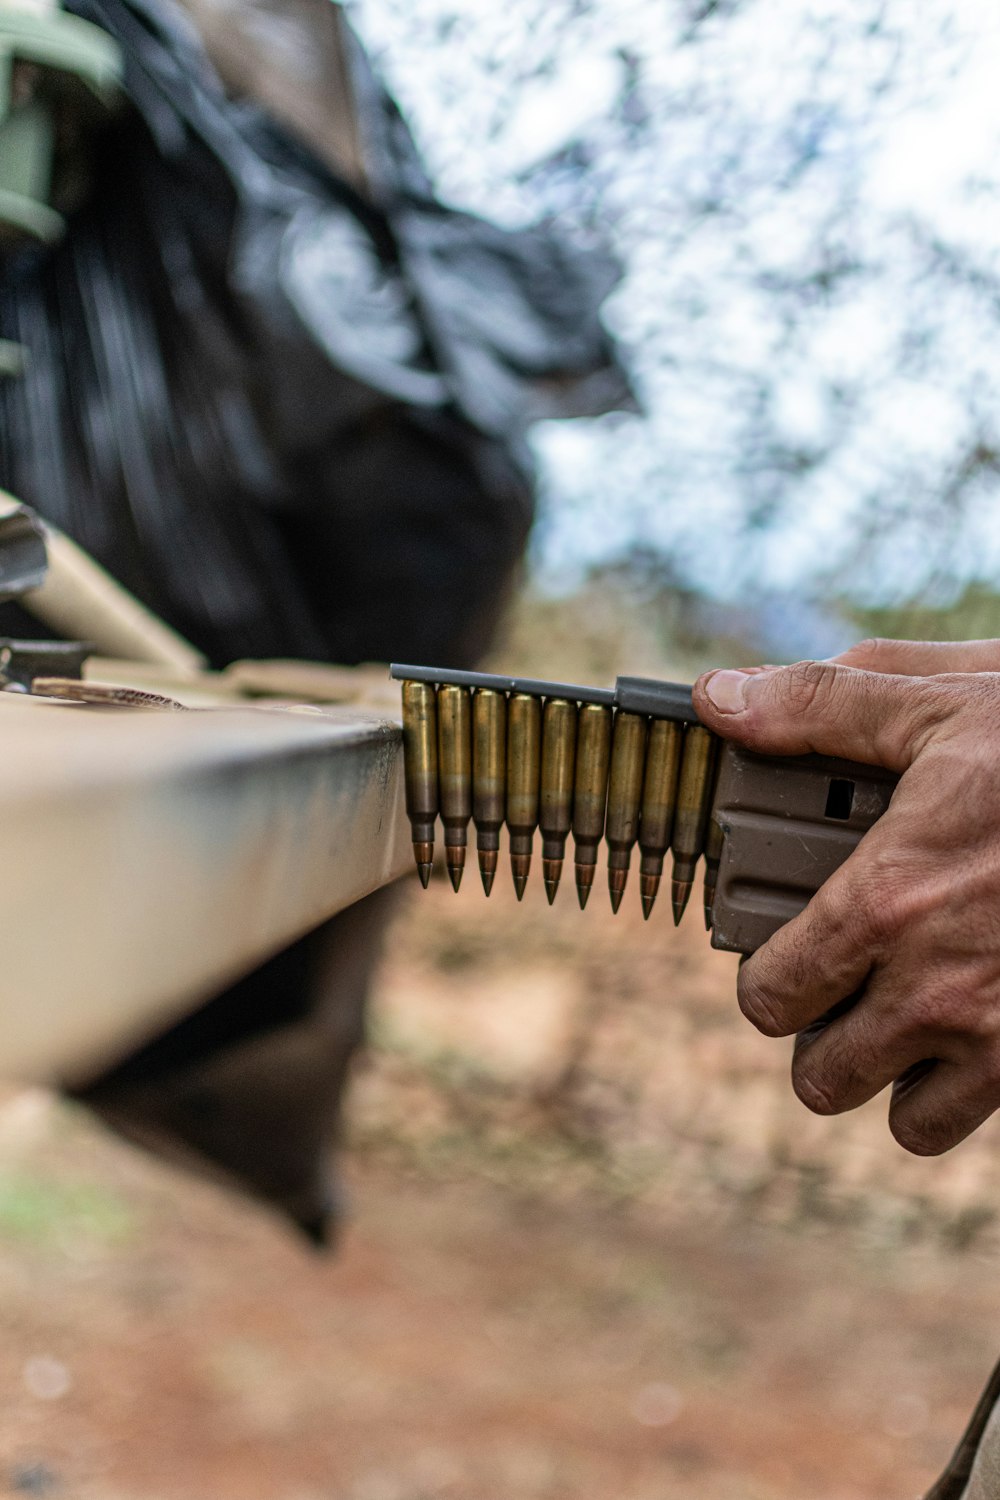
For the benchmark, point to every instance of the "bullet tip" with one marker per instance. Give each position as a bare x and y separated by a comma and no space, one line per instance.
455,857
551,874
520,864
647,907
584,883
423,853
680,896
488,859
520,881
616,887
649,887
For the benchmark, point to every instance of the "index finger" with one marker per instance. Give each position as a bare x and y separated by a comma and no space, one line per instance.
922,658
814,962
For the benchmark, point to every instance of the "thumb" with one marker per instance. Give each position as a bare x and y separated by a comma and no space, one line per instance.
827,708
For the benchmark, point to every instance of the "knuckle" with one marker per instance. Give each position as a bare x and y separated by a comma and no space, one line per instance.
943,701
926,1016
957,1012
911,1138
882,910
809,684
759,1006
814,1090
870,650
953,1015
976,690
892,903
922,1137
984,1060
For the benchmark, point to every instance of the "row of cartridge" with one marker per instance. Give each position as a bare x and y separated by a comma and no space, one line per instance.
556,767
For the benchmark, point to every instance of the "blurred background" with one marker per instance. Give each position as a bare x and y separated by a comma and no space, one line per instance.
594,1246
805,204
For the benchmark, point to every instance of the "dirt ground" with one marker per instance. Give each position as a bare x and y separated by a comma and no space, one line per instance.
597,1252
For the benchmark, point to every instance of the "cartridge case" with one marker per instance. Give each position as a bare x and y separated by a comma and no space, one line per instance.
420,771
555,814
590,792
489,778
628,758
454,706
659,802
694,795
713,859
524,751
714,840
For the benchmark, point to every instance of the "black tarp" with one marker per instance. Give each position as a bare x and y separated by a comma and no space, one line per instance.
284,413
289,413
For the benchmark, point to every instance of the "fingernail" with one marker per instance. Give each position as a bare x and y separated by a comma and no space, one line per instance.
726,691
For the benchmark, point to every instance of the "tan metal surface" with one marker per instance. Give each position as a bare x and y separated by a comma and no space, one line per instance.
80,601
150,856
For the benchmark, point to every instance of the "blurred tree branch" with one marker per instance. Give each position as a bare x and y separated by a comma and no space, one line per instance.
819,360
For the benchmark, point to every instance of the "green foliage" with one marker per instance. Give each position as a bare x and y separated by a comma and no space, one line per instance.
974,615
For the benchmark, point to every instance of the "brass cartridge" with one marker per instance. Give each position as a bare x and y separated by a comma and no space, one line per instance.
659,802
790,822
628,758
694,795
524,745
713,859
455,774
713,845
420,762
555,814
590,793
489,778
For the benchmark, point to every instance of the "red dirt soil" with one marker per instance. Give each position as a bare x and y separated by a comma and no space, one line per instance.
518,1311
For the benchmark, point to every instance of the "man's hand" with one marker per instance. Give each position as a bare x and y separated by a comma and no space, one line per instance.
904,940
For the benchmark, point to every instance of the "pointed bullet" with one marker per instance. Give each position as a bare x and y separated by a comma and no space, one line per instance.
617,877
454,713
628,763
488,859
423,853
455,859
524,755
590,793
555,805
694,798
680,896
659,800
489,777
714,842
649,886
420,771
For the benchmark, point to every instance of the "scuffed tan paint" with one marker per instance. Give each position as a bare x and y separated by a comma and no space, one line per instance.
149,857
